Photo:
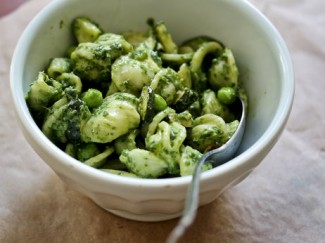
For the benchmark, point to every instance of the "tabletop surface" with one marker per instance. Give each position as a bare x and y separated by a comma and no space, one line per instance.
283,200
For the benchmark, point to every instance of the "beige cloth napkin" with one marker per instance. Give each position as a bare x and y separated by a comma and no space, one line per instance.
281,201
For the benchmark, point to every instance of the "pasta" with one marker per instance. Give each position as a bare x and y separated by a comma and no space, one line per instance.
137,104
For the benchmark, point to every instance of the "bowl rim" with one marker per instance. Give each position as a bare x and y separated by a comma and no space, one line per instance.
35,135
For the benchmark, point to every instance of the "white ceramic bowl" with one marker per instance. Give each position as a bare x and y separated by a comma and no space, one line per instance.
265,67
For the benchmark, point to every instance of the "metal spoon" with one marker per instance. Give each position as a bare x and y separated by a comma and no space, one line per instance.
217,157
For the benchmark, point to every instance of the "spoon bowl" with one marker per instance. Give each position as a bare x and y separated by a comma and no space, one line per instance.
217,157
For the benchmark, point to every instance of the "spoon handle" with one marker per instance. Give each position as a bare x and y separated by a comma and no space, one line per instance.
191,205
217,156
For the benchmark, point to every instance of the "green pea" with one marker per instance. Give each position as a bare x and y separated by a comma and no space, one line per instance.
159,103
93,98
226,95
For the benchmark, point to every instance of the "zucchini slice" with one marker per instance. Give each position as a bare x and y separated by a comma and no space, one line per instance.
184,99
146,104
